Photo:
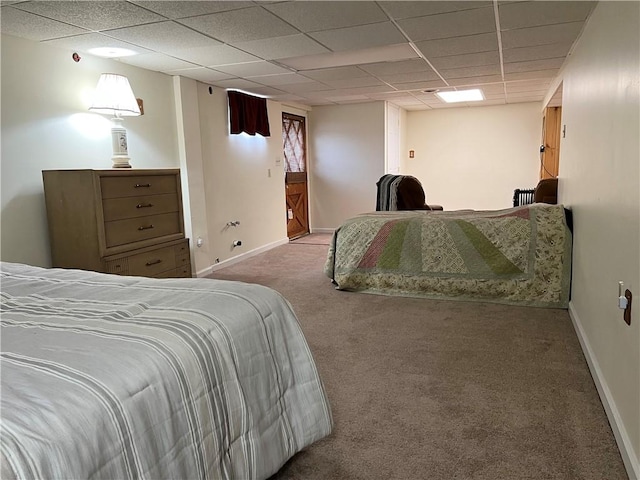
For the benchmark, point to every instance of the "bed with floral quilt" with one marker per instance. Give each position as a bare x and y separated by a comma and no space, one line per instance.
518,256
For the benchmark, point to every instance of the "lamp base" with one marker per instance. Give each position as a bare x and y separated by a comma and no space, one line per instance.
120,162
120,157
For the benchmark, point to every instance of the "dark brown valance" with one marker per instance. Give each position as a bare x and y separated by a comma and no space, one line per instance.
248,114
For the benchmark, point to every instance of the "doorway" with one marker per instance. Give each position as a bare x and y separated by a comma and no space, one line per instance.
551,134
295,167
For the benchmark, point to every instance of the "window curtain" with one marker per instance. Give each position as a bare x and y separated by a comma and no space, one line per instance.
248,114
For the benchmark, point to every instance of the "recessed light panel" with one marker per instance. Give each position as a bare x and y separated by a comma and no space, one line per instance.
454,96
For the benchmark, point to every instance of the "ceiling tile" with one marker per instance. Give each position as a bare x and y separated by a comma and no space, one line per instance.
186,8
527,37
318,101
400,51
266,91
201,74
468,72
412,108
411,86
428,98
530,14
399,96
252,69
406,103
355,82
459,82
26,25
535,99
494,96
403,66
401,9
288,97
325,15
488,88
467,60
100,15
344,98
540,52
409,77
530,94
535,65
527,85
488,103
84,43
550,74
282,47
466,22
164,37
215,56
360,90
282,79
156,61
484,42
306,87
237,83
363,36
371,57
242,25
338,73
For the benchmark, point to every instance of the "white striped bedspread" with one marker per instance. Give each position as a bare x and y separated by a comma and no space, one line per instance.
116,377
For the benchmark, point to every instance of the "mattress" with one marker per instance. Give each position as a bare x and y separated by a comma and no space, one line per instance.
107,376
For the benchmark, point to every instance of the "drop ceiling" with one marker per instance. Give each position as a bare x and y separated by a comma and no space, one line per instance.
325,52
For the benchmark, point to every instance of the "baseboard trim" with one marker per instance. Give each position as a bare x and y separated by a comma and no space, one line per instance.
323,230
620,433
238,258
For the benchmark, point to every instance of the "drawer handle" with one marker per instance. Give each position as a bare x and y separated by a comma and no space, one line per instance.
142,185
143,227
144,205
153,262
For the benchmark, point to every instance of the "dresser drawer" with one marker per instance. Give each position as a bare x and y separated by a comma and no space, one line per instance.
121,232
162,262
133,207
152,263
133,186
183,272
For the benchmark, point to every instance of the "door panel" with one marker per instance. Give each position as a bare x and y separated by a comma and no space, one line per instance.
550,151
294,147
297,207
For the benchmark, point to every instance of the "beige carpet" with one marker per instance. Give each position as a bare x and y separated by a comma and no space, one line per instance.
314,239
425,389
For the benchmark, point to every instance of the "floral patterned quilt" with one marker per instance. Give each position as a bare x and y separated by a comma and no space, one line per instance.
519,256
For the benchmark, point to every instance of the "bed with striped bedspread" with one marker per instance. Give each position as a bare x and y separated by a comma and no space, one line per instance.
125,377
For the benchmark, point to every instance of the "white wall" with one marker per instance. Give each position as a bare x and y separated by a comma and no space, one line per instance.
392,139
241,180
347,147
191,165
600,180
474,158
46,125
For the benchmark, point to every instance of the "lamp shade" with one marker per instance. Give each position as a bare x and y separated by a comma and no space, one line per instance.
114,96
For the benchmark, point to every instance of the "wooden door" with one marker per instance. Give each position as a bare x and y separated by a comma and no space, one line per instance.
550,148
295,166
297,204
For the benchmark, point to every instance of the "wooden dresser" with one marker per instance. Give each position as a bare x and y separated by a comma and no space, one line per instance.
128,222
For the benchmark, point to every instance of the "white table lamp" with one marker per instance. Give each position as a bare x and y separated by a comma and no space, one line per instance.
114,96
